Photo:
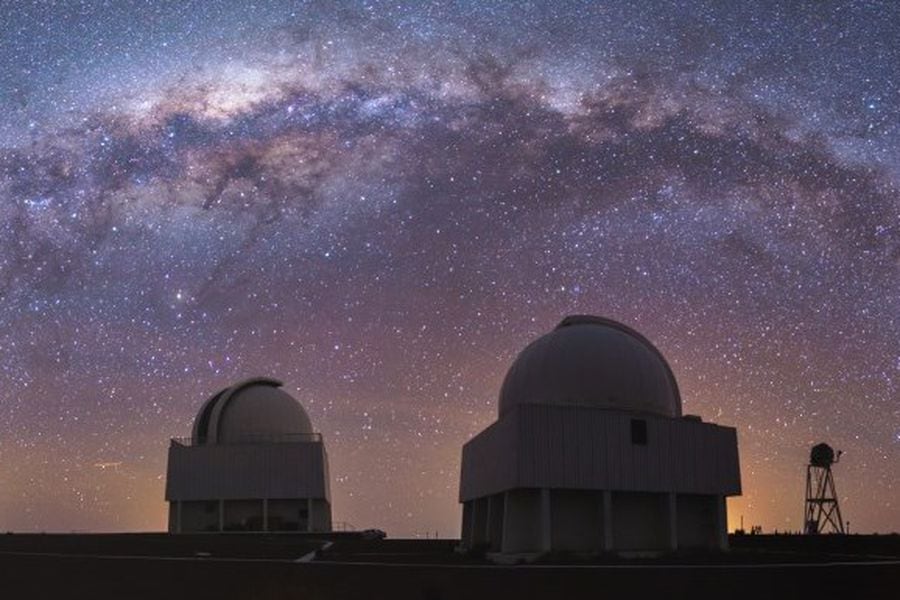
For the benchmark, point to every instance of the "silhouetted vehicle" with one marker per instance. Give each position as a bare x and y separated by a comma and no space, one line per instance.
373,534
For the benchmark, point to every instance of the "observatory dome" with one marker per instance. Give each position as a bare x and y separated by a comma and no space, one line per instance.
254,409
592,361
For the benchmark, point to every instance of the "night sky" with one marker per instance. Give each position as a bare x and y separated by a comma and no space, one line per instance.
382,203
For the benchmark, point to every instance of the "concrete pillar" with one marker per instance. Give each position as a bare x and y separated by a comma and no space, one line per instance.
221,515
265,514
473,524
504,537
487,522
607,521
546,522
673,521
721,523
465,531
309,515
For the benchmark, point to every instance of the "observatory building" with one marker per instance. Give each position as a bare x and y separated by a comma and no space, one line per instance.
253,463
591,453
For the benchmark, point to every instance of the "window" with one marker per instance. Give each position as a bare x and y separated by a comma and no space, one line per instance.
639,432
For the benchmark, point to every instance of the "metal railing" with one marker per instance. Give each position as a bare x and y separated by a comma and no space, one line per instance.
284,438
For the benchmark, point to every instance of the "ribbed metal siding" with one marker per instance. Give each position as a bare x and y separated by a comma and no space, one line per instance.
489,460
585,448
286,470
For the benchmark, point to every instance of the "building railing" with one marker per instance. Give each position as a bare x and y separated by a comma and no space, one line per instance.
284,438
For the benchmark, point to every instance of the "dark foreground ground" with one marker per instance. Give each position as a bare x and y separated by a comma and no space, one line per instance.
137,566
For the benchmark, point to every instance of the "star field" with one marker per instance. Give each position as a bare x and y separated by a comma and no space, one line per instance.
381,203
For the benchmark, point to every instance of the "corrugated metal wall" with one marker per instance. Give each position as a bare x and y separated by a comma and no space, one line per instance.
282,470
492,459
587,448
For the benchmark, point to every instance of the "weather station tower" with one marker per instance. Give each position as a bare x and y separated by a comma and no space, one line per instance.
822,512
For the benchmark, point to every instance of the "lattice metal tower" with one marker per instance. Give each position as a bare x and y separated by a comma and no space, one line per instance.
822,513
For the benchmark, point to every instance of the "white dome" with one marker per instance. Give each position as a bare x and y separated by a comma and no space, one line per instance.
252,410
592,361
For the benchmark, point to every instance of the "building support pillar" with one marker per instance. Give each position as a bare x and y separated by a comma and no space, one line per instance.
309,515
265,514
465,532
504,535
477,509
221,515
673,521
178,516
546,523
487,521
721,523
607,521
473,529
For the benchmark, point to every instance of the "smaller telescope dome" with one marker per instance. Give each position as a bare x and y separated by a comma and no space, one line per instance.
253,410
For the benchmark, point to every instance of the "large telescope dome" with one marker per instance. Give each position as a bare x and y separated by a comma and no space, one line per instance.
252,410
592,361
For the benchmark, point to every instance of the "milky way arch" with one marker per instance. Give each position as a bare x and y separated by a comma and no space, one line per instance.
380,205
